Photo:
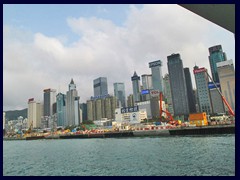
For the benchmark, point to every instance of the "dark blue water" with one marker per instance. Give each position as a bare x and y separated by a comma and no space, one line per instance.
160,156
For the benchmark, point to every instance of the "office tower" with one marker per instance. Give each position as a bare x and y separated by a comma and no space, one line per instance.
71,101
216,55
100,86
91,110
61,109
226,74
119,92
34,113
202,81
217,103
147,81
49,98
191,100
130,102
196,100
168,94
136,87
83,107
77,119
157,79
178,85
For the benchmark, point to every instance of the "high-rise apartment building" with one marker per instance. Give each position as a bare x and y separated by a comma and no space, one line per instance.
49,98
190,96
136,87
168,94
119,92
226,74
61,109
34,113
178,85
147,81
202,81
157,78
216,55
72,105
100,86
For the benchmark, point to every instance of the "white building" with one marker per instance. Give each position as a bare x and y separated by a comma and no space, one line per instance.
35,111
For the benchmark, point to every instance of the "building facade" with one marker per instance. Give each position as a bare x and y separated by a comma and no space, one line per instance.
147,81
216,55
190,96
178,85
72,105
157,78
168,94
226,74
204,98
119,92
4,119
61,109
100,86
35,112
136,87
83,107
49,98
217,103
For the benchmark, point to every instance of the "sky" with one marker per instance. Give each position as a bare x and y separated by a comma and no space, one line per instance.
44,46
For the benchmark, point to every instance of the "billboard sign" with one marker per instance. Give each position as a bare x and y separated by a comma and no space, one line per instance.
199,70
155,63
154,93
212,86
145,91
129,109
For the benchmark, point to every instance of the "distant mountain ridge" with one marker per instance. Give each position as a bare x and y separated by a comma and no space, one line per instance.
13,115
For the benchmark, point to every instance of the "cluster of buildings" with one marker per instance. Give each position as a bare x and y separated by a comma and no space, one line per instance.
179,97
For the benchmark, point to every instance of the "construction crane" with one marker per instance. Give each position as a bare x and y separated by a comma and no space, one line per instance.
223,98
169,116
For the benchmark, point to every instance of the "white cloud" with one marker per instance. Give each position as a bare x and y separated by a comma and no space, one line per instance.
33,62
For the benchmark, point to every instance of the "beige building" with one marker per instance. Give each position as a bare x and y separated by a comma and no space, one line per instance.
35,111
226,75
130,102
4,114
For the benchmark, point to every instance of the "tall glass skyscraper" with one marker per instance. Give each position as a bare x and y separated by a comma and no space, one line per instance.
216,55
147,81
61,109
204,97
178,85
191,99
157,79
49,98
136,87
119,92
72,105
100,86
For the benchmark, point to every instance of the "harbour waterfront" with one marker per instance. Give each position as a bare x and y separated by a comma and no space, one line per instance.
146,156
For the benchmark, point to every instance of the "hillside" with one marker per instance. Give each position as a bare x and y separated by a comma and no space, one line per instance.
13,115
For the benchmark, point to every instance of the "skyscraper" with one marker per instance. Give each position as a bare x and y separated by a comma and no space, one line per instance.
202,81
71,102
178,85
190,96
100,86
226,74
147,81
157,79
168,94
49,98
34,113
136,87
216,55
61,109
130,101
119,92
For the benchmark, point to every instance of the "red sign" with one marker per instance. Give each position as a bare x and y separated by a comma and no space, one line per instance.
154,93
31,99
199,70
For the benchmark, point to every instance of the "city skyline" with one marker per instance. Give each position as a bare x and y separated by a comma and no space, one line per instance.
95,41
